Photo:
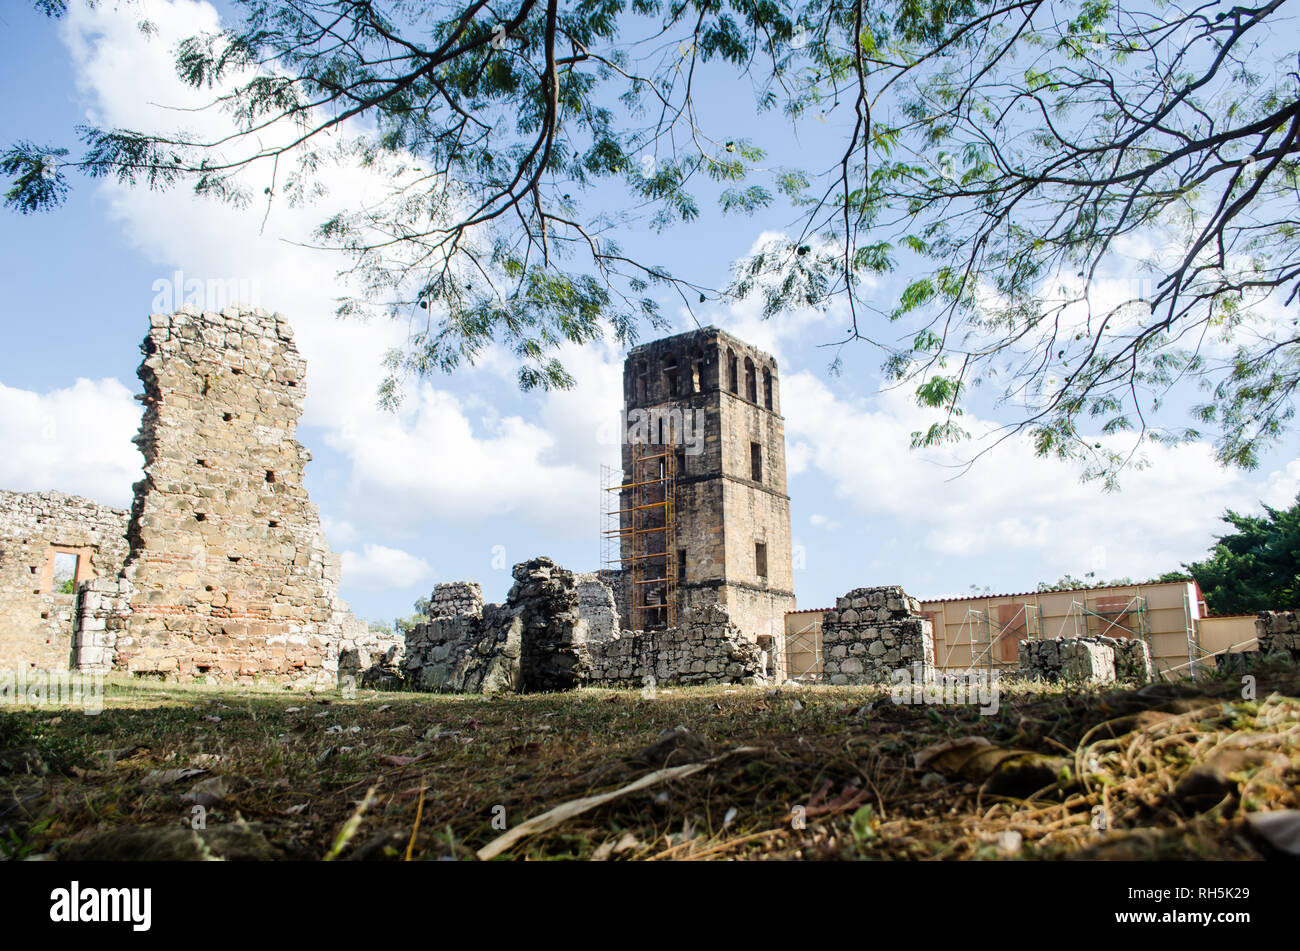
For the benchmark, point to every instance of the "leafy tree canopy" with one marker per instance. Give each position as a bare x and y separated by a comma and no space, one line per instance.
1093,201
1256,567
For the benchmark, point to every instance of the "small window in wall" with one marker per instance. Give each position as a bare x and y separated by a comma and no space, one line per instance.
756,462
767,388
670,376
732,383
642,381
65,573
680,454
760,559
751,381
681,564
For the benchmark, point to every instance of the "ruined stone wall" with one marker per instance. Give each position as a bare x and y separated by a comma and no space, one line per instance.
540,640
1090,659
103,609
369,657
871,633
36,618
617,583
706,649
597,607
1133,660
1278,631
230,575
532,642
456,598
1073,659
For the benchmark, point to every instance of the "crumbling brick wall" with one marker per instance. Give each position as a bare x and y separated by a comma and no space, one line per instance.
36,618
229,573
871,633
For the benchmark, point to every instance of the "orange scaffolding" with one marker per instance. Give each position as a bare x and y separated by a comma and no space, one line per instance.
638,534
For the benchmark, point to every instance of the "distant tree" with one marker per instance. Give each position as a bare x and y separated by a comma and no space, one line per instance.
407,624
1257,567
1067,582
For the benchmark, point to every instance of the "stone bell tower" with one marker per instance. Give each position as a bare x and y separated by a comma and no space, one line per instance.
705,518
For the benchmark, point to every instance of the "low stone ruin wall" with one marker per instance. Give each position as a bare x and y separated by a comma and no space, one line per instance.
370,658
705,649
557,631
871,633
1087,659
1278,631
1071,659
456,599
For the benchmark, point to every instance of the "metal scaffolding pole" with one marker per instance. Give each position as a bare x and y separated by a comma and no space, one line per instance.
638,534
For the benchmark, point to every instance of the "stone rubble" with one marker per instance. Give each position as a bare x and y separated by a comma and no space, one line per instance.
1277,634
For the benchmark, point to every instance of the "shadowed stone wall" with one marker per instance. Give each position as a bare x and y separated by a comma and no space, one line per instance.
541,640
1278,631
1090,659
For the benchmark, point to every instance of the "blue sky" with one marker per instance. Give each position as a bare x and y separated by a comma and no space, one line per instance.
471,475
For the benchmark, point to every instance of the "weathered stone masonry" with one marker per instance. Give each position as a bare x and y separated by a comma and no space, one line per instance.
557,631
1090,659
36,618
731,496
873,632
229,576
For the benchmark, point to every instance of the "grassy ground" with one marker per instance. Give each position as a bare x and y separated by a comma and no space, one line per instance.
811,772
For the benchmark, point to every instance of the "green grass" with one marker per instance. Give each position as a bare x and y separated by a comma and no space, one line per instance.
298,767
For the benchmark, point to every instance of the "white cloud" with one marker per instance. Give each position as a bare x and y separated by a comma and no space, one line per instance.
76,439
378,568
1014,501
450,453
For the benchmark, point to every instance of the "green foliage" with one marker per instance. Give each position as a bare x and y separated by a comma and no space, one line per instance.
407,624
1011,160
1256,567
861,824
